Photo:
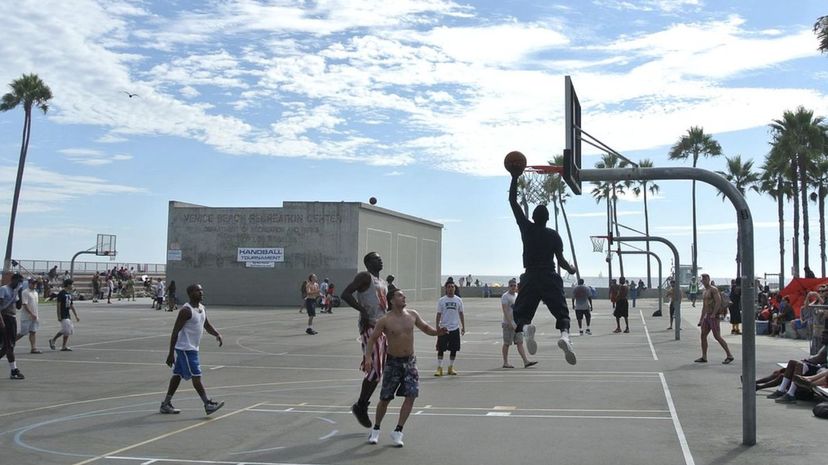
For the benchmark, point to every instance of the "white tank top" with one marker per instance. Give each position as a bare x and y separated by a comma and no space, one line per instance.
374,299
190,335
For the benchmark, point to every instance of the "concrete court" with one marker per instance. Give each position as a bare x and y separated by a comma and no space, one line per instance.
632,398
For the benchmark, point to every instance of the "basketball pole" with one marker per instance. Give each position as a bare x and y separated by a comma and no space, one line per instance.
745,236
658,259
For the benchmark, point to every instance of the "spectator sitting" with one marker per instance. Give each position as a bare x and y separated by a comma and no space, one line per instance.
786,391
802,326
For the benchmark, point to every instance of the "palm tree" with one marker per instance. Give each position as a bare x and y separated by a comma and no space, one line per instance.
694,144
557,189
639,188
821,30
819,179
609,192
32,92
742,176
774,182
800,136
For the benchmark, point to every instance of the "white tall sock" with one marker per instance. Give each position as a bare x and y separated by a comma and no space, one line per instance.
785,384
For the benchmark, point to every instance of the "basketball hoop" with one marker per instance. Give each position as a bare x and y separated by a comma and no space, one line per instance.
597,243
536,183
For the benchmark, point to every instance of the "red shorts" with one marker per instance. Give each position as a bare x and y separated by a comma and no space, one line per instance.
377,355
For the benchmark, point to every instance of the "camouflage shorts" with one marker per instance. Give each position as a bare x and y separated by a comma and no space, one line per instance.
400,377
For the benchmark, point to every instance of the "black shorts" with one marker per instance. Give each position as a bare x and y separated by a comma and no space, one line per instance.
8,336
622,309
400,377
310,306
450,341
537,286
580,314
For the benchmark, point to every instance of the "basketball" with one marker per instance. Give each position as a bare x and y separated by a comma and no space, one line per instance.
515,162
372,200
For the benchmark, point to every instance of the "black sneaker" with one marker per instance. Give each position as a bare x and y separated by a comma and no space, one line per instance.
786,399
211,406
16,374
52,344
361,414
167,407
775,394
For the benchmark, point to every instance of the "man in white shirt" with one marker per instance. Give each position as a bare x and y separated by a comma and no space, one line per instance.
449,316
507,304
29,322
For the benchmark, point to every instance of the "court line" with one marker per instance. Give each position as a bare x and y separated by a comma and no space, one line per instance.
164,436
647,332
482,415
483,409
685,448
150,460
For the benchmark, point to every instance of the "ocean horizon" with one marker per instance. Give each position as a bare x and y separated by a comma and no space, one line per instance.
593,281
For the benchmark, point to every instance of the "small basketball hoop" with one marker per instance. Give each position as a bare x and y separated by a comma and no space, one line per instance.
597,243
536,185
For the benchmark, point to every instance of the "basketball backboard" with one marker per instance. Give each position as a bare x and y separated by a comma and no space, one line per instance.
105,245
572,153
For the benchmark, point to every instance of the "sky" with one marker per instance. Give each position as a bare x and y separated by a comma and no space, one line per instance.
245,103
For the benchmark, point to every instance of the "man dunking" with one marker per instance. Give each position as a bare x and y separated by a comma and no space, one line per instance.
541,246
371,302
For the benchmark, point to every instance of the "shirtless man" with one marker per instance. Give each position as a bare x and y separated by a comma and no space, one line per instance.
711,300
400,374
541,247
371,304
622,306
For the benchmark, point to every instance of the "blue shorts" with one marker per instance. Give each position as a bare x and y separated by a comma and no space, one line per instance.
186,364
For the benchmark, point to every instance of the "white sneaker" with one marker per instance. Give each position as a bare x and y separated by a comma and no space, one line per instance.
529,335
396,438
373,438
566,345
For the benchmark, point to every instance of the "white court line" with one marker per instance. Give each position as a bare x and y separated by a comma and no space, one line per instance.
148,460
165,435
685,448
485,415
647,332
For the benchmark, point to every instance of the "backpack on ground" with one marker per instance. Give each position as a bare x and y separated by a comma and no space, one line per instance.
821,410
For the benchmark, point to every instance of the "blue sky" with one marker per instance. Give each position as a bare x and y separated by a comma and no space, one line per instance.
252,103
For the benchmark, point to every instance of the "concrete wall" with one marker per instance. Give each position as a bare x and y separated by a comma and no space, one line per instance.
326,238
409,246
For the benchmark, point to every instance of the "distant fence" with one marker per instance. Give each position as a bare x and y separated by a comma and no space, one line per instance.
43,266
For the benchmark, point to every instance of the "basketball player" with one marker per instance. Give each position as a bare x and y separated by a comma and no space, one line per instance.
371,304
541,246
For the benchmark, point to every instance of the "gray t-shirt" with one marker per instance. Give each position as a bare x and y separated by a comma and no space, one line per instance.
581,296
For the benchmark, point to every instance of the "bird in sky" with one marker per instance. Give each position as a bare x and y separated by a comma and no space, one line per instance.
130,94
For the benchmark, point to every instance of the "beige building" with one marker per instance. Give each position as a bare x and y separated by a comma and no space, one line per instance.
260,256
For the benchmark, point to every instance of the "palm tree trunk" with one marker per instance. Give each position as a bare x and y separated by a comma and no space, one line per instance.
647,243
795,249
780,213
609,244
617,232
24,148
821,194
806,236
571,245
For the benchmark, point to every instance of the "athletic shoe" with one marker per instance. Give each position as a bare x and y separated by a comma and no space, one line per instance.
52,344
530,363
581,332
627,330
66,349
439,371
397,438
529,335
361,414
167,407
566,345
589,332
451,371
786,399
35,351
211,406
16,374
373,438
775,394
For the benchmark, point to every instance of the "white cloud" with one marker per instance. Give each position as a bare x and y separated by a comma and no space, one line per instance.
47,190
92,157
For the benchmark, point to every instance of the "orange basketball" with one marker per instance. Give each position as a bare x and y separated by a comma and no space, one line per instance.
515,162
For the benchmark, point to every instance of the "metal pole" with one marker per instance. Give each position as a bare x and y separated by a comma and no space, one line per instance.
644,252
676,289
745,220
72,263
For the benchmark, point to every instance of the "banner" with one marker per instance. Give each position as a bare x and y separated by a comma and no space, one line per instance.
261,254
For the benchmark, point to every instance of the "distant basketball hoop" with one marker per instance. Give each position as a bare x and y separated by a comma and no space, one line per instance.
105,246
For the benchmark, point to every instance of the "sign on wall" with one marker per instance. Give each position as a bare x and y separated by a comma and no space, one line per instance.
258,255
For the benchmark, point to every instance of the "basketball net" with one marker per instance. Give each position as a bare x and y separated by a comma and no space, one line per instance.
536,183
597,243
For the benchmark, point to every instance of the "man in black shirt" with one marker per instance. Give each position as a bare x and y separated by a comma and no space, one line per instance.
9,304
64,304
541,247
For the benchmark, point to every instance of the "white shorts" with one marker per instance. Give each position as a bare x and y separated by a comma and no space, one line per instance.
28,326
66,327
